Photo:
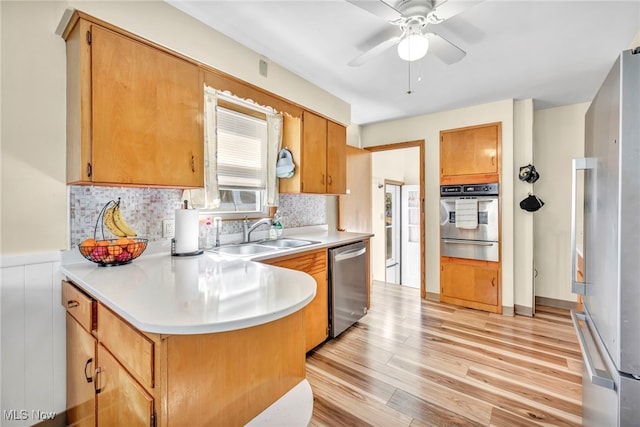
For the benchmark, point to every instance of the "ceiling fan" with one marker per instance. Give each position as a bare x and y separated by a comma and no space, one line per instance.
412,17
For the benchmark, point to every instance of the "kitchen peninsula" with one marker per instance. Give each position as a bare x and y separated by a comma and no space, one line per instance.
204,340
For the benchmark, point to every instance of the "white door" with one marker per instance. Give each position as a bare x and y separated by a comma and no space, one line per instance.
392,233
410,247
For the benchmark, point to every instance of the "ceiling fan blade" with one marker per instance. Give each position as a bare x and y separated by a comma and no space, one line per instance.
378,8
374,51
450,8
444,49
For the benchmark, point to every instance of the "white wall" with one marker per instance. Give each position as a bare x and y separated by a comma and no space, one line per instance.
523,220
558,138
428,127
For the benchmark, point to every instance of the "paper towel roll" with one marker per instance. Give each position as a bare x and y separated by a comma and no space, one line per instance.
186,233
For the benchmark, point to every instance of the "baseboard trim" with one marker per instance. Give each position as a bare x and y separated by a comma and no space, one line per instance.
556,303
507,311
432,296
522,310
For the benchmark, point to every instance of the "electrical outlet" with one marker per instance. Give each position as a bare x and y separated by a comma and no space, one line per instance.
168,228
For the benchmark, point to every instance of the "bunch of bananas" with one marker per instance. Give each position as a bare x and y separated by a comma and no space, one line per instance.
114,221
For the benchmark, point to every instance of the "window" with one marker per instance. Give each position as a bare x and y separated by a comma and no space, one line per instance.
241,163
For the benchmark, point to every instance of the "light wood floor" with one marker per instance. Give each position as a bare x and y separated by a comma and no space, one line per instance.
412,362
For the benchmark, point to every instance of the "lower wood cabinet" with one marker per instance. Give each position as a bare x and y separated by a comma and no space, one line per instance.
118,375
471,283
316,317
81,363
121,400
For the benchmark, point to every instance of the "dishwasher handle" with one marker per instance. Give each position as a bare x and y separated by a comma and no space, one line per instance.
350,254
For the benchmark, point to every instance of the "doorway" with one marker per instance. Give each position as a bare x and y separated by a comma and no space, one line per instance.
409,174
392,232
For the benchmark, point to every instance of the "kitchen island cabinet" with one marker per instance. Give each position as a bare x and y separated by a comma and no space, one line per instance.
318,147
316,317
174,341
134,110
470,155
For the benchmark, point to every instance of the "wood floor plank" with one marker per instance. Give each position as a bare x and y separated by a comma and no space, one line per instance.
414,362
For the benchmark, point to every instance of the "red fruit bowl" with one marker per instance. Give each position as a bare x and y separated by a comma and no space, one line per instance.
112,252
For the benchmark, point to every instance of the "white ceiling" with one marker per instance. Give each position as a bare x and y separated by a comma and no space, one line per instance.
555,52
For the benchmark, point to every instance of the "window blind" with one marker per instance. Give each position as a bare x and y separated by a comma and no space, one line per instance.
242,150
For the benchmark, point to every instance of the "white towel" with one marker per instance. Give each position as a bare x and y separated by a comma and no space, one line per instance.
467,213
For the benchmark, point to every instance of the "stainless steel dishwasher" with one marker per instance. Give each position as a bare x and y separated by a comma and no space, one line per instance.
347,286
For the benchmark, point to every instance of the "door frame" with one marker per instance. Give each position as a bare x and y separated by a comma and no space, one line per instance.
399,146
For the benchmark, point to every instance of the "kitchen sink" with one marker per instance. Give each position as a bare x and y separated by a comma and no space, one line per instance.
244,249
286,243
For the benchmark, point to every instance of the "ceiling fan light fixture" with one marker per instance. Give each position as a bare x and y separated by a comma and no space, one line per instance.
413,47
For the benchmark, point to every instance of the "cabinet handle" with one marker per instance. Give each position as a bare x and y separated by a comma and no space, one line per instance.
492,162
96,385
193,164
330,180
322,179
88,170
86,365
72,303
493,281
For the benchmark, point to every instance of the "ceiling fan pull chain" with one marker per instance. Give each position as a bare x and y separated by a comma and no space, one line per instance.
409,82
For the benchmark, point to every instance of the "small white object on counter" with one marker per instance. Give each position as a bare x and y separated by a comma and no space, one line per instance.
186,231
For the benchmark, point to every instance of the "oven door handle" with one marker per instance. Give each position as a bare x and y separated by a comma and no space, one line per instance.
469,242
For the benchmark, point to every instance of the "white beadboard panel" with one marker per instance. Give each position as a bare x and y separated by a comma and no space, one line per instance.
33,349
12,342
39,337
59,344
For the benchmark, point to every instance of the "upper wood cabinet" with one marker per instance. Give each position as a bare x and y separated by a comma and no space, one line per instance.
470,155
134,111
318,146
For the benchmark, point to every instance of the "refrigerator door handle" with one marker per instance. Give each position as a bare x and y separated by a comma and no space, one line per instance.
597,376
577,164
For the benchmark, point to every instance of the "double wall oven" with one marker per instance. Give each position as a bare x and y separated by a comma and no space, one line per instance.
469,226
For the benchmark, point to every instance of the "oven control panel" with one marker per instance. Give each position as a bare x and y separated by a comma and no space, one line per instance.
469,190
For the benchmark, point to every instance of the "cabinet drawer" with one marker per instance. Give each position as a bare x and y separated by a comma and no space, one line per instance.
132,349
311,262
79,305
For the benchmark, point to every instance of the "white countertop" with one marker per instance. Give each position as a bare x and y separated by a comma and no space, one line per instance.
160,293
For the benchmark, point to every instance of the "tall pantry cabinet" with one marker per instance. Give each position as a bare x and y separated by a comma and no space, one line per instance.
471,155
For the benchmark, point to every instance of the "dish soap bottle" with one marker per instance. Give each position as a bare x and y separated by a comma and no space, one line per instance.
277,224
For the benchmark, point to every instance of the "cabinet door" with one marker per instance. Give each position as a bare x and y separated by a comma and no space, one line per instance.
81,363
316,313
121,400
469,282
336,158
314,154
146,114
469,151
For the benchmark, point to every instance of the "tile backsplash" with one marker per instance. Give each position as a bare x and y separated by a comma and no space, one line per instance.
145,208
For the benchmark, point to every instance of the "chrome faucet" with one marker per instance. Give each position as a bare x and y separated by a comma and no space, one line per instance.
247,229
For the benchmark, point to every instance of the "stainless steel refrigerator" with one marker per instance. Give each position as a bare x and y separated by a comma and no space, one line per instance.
609,326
